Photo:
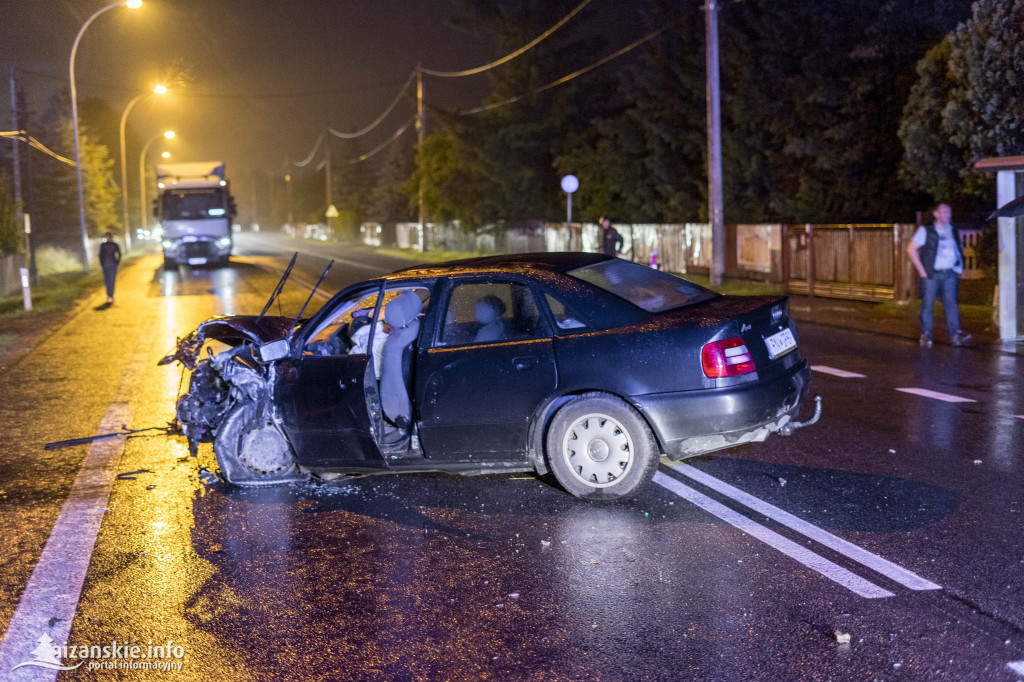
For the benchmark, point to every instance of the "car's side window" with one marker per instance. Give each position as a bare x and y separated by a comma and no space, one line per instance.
565,317
491,312
339,334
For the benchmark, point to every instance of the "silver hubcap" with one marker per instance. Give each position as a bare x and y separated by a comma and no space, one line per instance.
598,450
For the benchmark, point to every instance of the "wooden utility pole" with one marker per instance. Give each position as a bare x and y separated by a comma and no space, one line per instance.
421,131
715,210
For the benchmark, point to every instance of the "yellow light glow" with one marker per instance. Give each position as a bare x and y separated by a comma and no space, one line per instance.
133,4
160,89
166,155
169,134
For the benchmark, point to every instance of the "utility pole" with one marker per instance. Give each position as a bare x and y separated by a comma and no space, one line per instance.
20,215
327,180
715,210
420,133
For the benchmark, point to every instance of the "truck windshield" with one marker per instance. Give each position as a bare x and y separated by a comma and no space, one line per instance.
181,204
652,290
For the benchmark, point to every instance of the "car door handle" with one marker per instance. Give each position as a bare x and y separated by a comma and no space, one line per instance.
525,363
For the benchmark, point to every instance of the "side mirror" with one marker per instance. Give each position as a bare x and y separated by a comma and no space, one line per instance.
275,350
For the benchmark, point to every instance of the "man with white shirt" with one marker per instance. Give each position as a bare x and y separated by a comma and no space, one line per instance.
935,252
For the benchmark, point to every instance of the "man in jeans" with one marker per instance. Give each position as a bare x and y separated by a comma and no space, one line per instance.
935,252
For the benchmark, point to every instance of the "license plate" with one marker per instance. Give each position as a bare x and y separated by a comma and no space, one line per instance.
201,261
781,343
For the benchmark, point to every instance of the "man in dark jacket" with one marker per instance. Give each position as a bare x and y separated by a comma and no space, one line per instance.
935,252
110,257
611,240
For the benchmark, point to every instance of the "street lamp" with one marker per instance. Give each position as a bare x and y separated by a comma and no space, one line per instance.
166,155
142,173
130,4
158,90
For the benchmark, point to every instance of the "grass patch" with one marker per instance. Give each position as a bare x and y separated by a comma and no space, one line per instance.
54,292
6,341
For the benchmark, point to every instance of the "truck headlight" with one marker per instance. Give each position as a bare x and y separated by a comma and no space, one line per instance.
167,244
223,241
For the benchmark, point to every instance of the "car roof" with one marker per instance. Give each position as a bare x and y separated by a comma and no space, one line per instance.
521,263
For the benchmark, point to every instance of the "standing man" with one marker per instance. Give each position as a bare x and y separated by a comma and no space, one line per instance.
935,252
611,240
110,257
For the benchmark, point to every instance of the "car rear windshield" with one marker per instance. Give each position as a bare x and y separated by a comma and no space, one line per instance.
650,289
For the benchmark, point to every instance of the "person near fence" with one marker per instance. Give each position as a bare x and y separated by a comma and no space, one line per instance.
936,253
110,257
611,240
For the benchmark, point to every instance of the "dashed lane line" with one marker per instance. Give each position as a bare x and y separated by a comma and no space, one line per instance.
819,535
815,562
50,600
945,397
841,373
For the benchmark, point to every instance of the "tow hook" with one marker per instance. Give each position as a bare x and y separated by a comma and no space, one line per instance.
789,428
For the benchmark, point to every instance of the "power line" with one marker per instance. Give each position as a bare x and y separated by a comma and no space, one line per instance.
316,146
394,136
513,55
33,142
567,78
380,119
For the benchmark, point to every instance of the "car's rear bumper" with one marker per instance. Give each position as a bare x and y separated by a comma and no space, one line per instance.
689,423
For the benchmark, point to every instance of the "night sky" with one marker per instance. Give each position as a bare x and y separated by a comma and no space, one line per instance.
261,78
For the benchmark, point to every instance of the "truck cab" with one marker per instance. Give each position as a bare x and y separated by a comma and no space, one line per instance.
196,210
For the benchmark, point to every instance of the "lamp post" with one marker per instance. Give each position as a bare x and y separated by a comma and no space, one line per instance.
142,173
130,4
158,90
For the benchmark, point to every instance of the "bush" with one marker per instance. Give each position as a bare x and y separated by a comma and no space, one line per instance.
52,260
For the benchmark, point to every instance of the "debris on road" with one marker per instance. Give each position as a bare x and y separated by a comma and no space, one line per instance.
842,638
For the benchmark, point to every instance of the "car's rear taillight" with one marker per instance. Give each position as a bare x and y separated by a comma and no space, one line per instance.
728,358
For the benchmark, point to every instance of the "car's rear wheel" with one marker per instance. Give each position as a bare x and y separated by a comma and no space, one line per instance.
251,450
599,448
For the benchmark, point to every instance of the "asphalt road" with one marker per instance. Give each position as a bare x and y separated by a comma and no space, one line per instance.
884,543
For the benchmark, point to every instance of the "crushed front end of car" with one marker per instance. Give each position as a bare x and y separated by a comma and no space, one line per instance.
229,399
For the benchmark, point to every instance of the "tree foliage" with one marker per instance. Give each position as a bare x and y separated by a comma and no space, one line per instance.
10,232
966,104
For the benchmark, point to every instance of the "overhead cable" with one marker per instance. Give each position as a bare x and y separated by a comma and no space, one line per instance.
33,142
309,158
380,119
565,79
508,57
394,136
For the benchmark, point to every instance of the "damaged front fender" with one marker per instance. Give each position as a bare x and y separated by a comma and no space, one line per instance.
233,331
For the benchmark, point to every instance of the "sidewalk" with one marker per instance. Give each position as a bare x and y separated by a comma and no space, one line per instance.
892,319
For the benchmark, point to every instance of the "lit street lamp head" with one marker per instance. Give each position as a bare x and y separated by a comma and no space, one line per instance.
169,134
160,90
133,4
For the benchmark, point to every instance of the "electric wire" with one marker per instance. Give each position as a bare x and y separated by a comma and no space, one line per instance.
394,136
33,142
316,146
380,119
567,78
508,57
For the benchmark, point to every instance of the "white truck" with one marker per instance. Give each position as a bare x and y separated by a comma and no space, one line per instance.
195,209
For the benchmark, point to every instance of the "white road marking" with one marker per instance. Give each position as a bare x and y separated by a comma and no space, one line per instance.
55,586
815,562
842,373
1017,667
819,535
946,397
1020,416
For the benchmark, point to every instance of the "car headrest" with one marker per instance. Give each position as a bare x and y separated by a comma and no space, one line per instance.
403,309
488,309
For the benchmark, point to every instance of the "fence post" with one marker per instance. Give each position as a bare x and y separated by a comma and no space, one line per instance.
851,257
810,260
785,256
897,264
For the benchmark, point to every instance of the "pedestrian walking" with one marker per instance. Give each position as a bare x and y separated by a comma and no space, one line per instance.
935,252
611,240
110,257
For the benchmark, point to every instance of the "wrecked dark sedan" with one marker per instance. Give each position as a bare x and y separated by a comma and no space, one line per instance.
582,365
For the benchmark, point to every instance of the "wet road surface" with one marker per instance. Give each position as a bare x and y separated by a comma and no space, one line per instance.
896,520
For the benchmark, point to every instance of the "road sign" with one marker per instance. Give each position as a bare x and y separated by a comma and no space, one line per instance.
332,212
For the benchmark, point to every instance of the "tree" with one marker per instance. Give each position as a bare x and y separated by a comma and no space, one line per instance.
386,203
966,104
